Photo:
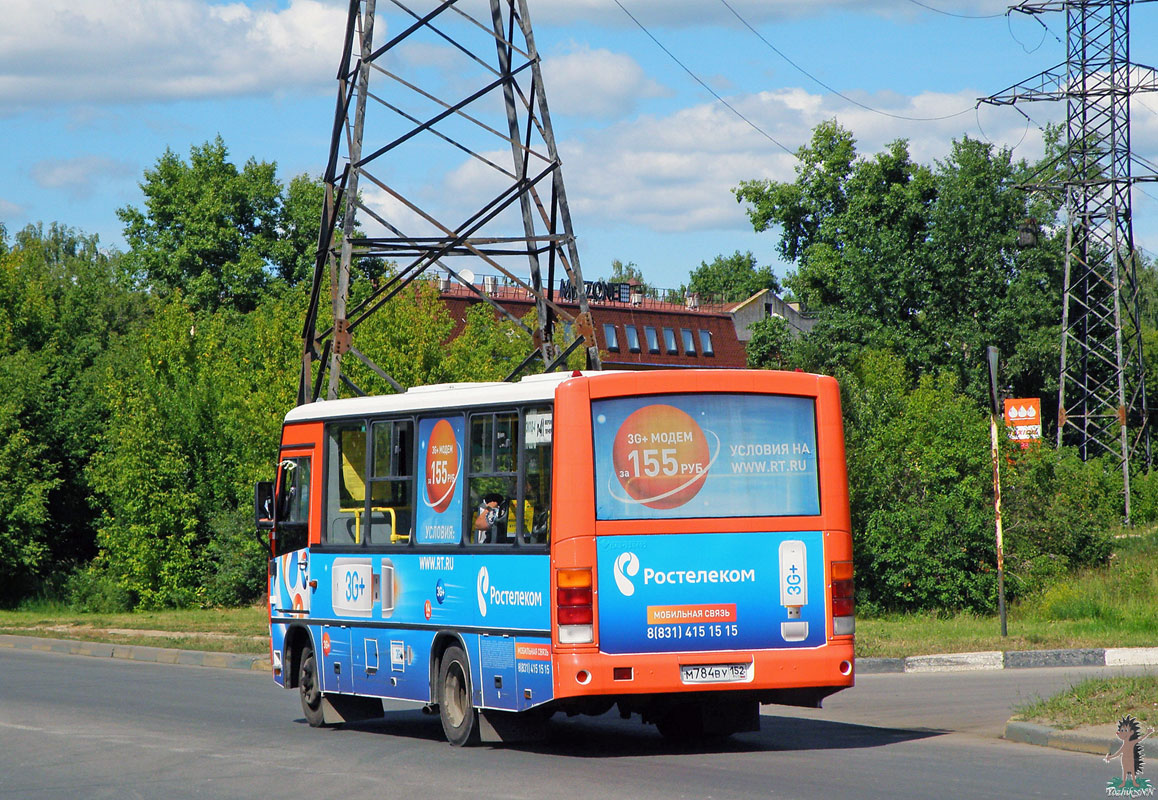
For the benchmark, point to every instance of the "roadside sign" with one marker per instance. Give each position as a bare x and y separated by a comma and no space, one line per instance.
1023,420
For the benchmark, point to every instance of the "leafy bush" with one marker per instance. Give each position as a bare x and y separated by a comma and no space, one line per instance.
238,561
1057,513
918,480
94,590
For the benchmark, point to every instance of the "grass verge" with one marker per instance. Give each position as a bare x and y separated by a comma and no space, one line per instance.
228,630
1110,606
1098,701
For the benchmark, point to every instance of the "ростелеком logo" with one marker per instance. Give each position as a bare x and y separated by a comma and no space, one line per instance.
626,564
484,585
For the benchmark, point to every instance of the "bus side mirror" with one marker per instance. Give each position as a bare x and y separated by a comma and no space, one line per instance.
263,505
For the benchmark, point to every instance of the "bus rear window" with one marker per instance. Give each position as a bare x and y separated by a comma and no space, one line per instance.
695,456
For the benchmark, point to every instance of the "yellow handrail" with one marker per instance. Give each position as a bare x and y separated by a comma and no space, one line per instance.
395,537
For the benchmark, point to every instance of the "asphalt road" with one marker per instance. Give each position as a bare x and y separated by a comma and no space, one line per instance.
78,728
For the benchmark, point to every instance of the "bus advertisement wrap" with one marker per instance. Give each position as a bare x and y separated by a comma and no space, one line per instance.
439,517
480,591
755,591
687,456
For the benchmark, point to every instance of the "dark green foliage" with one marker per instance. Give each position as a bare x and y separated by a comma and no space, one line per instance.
93,590
911,271
921,261
220,234
238,560
918,484
731,278
63,303
772,345
1057,511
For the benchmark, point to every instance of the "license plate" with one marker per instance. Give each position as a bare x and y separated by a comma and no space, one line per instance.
716,673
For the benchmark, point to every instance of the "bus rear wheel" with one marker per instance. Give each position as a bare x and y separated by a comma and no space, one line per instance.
455,707
310,686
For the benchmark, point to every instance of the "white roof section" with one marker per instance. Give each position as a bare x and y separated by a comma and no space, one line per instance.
439,396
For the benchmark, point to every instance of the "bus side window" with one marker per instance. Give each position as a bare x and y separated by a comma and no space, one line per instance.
493,514
345,483
391,481
536,462
292,504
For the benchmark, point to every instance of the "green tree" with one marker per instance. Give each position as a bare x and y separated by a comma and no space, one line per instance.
625,273
731,278
772,345
62,304
921,261
917,464
218,233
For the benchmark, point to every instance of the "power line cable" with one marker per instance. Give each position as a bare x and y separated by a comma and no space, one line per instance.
818,81
698,80
1044,30
953,14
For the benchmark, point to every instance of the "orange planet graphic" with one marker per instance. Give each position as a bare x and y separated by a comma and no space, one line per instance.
441,466
661,456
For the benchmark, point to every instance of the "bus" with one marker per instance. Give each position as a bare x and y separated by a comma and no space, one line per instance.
673,543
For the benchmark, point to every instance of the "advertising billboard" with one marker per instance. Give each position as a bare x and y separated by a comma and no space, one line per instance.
704,455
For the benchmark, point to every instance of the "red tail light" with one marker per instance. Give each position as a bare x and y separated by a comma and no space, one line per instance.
574,606
843,606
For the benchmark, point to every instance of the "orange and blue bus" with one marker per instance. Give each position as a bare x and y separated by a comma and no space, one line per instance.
674,543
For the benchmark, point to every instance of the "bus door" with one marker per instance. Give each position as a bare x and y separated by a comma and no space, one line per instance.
291,569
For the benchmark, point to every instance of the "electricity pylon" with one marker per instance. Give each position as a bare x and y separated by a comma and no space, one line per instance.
1101,387
456,127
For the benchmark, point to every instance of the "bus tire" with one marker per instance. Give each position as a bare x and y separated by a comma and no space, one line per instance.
455,706
310,687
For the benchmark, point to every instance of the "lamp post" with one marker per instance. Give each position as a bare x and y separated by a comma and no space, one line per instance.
991,356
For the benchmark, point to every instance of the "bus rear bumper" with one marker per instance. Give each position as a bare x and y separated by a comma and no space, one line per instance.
789,677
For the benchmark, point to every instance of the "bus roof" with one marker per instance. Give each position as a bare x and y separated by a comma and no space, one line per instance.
541,388
441,395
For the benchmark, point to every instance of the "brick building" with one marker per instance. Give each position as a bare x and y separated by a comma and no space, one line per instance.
634,329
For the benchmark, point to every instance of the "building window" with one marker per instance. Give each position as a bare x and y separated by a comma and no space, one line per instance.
610,336
669,341
632,338
706,343
652,339
689,342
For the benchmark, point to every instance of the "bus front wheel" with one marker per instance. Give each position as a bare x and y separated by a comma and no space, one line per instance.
455,707
310,687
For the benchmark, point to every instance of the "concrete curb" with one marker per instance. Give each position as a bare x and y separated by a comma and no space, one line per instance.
1012,659
1017,730
156,655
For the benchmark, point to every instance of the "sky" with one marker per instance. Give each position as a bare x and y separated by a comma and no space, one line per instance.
92,93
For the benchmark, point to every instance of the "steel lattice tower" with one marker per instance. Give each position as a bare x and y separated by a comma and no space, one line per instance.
458,99
1101,387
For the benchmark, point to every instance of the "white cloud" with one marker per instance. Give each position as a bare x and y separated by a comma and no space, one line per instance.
9,210
54,51
77,176
596,83
676,173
